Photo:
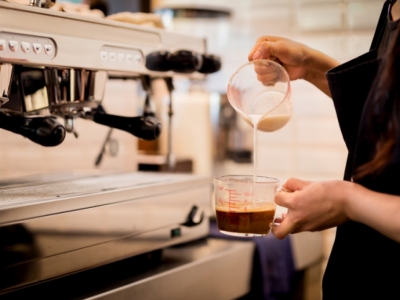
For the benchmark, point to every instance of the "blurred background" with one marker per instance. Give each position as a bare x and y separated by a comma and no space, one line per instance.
207,136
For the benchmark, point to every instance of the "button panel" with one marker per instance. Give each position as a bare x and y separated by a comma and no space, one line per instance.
26,47
116,57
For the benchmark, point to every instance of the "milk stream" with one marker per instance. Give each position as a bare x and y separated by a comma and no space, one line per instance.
266,124
255,119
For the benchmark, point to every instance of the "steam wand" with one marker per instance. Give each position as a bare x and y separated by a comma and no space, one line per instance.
147,111
103,148
145,127
99,157
146,84
171,160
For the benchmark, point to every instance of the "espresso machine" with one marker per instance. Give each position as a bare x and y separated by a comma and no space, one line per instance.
104,235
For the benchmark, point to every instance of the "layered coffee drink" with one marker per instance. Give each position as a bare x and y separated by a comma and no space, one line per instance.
247,220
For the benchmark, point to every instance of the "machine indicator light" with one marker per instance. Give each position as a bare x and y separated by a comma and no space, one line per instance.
176,232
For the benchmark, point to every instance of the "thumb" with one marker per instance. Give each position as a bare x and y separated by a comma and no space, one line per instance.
264,51
294,184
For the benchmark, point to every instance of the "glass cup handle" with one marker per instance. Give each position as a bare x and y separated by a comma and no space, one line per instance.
283,189
276,222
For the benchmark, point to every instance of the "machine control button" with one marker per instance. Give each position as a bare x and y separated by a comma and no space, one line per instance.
103,55
37,48
129,58
26,47
2,44
48,49
112,56
121,58
13,45
138,59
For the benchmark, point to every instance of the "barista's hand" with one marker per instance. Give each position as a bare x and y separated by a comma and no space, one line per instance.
299,60
316,206
312,206
292,55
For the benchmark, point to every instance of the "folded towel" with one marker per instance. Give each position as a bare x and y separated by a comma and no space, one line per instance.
139,18
77,8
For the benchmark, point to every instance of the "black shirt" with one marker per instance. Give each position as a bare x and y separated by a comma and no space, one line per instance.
363,263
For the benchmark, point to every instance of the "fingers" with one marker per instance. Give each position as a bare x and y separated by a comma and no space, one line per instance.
282,226
285,196
267,74
284,199
263,50
277,221
285,228
288,196
294,184
265,69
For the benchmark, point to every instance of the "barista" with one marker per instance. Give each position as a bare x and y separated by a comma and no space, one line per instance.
365,206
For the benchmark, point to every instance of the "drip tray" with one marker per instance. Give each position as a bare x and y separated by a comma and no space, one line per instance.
203,269
206,269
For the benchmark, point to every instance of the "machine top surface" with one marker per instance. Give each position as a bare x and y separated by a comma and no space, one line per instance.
52,193
43,37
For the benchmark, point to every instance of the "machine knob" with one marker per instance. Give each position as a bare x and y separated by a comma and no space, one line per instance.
194,218
158,61
211,64
184,61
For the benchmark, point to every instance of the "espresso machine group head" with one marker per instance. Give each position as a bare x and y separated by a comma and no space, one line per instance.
36,96
23,97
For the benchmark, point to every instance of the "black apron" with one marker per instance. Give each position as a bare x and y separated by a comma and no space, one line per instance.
363,263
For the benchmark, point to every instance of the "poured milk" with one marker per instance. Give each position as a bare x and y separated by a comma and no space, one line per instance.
267,124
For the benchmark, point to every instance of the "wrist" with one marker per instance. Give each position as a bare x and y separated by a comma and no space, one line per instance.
317,64
321,61
349,199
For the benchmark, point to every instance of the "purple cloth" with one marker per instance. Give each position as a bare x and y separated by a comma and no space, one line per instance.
273,265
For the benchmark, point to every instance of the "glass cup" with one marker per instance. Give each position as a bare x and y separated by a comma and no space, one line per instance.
260,92
245,206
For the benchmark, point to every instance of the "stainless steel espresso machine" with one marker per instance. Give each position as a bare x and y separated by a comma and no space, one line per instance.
125,235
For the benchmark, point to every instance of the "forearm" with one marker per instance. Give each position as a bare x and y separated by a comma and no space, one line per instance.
299,60
318,64
376,210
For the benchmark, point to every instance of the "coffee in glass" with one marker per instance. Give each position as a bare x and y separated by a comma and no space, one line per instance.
244,206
